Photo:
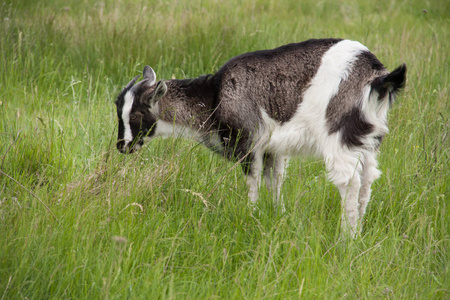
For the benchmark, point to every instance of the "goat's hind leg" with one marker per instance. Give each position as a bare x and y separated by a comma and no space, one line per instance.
345,172
369,174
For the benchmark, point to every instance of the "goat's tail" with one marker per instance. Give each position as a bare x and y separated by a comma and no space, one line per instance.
391,83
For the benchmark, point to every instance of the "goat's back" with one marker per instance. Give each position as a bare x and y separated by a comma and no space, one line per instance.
306,90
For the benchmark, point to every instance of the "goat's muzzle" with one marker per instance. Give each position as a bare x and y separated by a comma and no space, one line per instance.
129,147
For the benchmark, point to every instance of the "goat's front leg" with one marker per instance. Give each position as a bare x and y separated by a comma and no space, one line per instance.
254,176
274,171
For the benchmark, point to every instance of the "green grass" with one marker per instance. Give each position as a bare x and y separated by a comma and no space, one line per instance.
78,220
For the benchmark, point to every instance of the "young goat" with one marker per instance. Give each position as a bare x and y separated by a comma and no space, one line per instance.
327,98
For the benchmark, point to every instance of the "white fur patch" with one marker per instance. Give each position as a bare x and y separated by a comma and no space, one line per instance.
126,111
306,132
166,129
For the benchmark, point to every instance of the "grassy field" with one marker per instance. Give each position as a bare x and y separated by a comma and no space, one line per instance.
79,220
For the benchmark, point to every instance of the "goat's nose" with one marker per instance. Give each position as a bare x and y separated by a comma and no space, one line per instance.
121,146
124,147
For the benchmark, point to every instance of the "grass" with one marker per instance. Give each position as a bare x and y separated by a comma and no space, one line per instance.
78,220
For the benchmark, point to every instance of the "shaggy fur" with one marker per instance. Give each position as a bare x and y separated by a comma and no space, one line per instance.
328,98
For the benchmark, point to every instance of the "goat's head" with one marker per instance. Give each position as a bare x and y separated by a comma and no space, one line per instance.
137,110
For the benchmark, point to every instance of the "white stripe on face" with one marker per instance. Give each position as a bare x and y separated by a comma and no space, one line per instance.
126,111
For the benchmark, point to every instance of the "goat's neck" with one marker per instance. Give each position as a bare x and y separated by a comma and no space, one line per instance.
189,102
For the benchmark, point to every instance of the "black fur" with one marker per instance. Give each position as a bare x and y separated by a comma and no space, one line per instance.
353,127
390,83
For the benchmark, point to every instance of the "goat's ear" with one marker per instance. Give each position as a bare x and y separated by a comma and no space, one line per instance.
149,75
158,93
392,82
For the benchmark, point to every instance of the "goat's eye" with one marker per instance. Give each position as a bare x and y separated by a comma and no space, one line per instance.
133,117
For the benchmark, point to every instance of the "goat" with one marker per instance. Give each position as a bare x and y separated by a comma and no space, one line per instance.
327,97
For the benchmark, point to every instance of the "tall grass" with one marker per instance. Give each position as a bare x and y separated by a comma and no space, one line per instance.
78,220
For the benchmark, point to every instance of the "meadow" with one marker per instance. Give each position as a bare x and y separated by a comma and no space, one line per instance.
78,220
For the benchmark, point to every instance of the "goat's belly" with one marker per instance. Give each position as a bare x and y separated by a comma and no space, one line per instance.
291,138
292,143
301,136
